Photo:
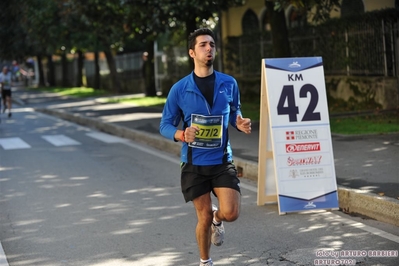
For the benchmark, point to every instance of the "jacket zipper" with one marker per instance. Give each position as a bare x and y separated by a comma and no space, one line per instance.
203,98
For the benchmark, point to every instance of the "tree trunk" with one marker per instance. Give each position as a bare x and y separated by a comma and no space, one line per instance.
51,71
64,70
149,79
116,85
80,69
191,26
281,45
97,80
42,82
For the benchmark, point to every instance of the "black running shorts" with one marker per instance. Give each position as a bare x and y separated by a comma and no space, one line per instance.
198,180
5,93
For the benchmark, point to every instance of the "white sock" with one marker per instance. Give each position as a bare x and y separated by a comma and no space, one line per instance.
205,261
214,221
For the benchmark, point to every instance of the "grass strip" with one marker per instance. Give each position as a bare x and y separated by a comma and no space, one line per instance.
370,124
364,124
79,92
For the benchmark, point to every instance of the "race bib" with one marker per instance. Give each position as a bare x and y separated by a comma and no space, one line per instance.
210,131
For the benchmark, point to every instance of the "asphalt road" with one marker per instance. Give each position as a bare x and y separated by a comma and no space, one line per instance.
70,195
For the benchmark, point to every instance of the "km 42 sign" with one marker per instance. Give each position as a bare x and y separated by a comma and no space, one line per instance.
293,89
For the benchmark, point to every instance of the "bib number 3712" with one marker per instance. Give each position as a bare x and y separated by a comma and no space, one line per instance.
292,110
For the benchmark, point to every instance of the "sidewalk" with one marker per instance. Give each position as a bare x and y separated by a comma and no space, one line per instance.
367,167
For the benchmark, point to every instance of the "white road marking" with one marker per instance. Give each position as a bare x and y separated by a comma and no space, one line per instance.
106,137
370,229
153,152
3,259
13,143
60,140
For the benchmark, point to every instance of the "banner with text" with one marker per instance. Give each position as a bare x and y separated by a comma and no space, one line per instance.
300,132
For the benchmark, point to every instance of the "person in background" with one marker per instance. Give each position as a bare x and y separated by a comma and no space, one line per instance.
144,57
206,101
6,82
16,73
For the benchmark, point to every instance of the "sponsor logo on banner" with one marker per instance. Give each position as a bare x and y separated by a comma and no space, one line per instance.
294,64
294,173
312,160
312,172
307,173
301,134
310,205
302,147
290,135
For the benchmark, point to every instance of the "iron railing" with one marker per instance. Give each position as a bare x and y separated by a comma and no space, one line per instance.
365,50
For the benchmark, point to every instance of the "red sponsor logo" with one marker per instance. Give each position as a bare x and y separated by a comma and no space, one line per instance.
302,147
304,161
290,135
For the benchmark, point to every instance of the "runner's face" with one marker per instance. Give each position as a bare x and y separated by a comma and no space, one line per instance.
204,50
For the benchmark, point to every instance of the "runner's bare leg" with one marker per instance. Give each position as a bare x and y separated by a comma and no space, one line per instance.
203,208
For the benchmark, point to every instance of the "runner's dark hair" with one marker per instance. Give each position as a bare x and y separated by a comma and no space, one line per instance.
193,36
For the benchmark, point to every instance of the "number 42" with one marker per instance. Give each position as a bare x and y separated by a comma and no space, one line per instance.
291,109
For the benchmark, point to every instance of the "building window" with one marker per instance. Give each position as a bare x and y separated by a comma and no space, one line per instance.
249,22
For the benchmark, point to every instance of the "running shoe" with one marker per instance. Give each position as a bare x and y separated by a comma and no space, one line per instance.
209,263
217,231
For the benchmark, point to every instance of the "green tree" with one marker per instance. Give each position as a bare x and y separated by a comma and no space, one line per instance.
12,34
80,36
104,21
44,33
144,21
279,32
192,13
317,10
148,18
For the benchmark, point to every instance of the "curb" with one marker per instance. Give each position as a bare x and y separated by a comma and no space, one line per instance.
380,208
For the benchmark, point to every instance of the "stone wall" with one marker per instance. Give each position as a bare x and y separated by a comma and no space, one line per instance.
368,91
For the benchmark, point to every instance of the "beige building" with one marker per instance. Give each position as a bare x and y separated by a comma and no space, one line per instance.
254,11
350,75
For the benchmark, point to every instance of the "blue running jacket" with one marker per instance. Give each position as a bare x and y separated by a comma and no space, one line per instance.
185,99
